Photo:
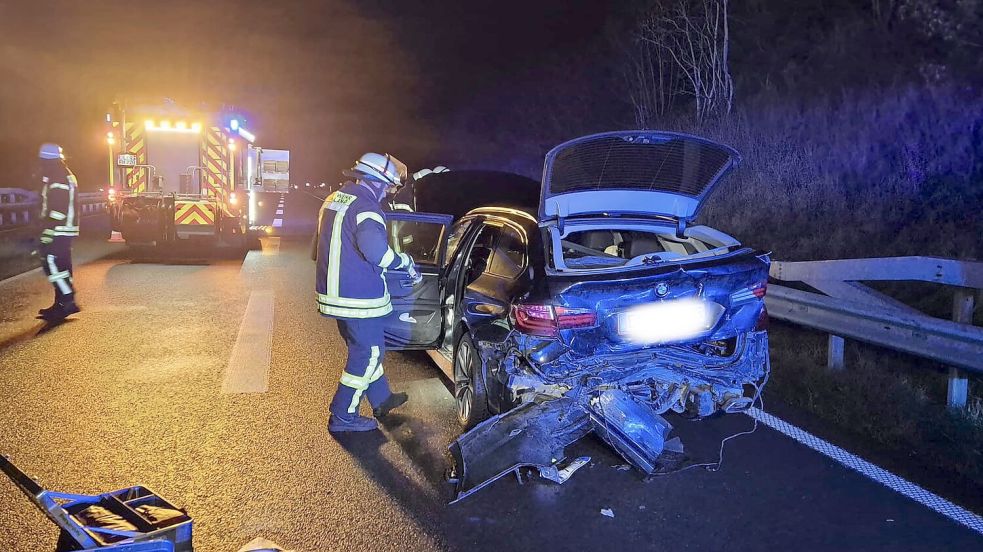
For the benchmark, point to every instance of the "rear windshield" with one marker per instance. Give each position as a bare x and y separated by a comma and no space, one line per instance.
667,163
601,248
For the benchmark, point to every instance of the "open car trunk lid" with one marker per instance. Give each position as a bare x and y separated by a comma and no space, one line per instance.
641,173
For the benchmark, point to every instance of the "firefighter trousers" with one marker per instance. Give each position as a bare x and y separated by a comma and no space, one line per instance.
363,373
56,259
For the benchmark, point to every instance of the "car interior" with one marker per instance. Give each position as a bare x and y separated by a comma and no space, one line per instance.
615,247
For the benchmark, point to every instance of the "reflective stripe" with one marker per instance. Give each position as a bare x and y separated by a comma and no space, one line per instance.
325,299
334,249
372,372
387,258
362,217
57,215
58,186
66,228
404,260
58,276
62,285
44,197
345,312
71,203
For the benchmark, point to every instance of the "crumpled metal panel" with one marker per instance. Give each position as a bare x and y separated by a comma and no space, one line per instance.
534,434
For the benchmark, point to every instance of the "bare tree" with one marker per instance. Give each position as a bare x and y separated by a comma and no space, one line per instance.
695,35
652,77
884,12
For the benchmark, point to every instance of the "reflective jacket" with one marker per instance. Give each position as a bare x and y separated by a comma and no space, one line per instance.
352,255
58,214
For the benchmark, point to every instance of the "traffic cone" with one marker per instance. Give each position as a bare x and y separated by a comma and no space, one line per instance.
116,237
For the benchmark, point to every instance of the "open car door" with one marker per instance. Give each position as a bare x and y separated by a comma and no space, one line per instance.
417,318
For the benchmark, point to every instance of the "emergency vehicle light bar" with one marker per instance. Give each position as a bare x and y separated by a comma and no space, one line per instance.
180,126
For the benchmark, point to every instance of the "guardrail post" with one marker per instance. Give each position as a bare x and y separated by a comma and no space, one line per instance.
963,302
834,355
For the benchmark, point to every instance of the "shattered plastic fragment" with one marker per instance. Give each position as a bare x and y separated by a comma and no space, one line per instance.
607,512
633,429
560,475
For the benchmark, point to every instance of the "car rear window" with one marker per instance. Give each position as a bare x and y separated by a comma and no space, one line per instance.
638,162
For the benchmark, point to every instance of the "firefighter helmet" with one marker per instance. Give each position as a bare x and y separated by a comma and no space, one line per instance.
50,151
378,168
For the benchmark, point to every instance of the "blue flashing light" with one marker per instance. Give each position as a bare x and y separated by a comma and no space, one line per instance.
234,124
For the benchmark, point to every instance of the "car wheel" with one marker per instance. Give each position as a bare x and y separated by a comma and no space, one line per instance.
469,385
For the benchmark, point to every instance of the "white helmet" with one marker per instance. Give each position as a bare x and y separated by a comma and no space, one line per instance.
50,151
379,168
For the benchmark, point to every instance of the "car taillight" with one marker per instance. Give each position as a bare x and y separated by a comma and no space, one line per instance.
760,289
547,320
762,323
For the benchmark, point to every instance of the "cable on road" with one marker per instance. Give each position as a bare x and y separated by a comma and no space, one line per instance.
715,466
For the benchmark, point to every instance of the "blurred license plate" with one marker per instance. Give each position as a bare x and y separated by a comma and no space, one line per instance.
630,322
671,320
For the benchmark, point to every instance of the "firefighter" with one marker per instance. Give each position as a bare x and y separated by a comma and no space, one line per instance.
405,200
352,254
60,221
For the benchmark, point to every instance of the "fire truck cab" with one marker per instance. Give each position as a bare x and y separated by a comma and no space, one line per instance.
176,175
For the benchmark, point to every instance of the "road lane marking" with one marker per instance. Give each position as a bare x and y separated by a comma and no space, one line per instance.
876,473
249,364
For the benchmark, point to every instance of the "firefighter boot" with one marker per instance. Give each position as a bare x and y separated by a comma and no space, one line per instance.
59,311
341,423
394,401
48,312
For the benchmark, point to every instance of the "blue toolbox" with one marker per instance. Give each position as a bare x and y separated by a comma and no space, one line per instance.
134,519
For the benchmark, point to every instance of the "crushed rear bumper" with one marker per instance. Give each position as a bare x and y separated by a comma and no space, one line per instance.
621,398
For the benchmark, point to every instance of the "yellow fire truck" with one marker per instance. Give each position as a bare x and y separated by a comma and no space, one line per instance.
175,175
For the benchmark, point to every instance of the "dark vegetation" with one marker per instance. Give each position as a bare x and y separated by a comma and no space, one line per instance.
861,127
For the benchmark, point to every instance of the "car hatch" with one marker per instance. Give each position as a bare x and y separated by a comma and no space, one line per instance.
637,173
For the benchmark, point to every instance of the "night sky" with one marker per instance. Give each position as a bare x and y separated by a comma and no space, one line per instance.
327,80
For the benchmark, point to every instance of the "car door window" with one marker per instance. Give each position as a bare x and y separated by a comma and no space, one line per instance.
418,239
509,256
454,238
481,253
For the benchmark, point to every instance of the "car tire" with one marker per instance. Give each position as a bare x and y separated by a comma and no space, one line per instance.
469,384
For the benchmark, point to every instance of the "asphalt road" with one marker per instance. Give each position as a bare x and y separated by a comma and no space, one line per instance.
131,391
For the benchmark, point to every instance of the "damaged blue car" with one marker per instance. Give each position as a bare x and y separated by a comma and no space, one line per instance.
589,302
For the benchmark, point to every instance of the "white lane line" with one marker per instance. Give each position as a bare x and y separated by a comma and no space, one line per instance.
277,223
249,364
899,484
279,211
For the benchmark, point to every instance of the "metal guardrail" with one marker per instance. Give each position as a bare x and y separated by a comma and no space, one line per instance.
852,310
20,208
